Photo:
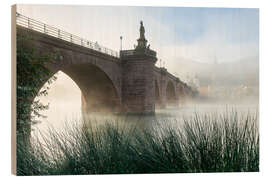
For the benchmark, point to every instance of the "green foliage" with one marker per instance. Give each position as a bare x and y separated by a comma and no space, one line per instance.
31,75
210,143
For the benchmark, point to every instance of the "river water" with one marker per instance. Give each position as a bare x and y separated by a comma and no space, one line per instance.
171,116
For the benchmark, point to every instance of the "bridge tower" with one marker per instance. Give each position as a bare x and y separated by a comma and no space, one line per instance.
138,88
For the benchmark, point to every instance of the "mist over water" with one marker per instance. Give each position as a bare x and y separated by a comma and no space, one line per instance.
65,108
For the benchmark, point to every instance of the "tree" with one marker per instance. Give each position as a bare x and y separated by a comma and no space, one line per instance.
31,75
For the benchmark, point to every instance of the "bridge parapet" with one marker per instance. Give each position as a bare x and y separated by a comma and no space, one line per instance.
147,52
34,25
164,71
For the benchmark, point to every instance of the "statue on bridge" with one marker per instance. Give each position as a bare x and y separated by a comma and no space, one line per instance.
142,42
142,31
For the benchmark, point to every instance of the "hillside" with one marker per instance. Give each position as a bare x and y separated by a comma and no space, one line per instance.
243,71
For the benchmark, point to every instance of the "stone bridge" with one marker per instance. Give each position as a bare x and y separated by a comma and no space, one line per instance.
126,82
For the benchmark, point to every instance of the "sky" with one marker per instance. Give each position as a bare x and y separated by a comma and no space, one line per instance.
198,34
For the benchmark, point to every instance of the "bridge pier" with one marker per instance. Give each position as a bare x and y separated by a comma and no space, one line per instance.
138,83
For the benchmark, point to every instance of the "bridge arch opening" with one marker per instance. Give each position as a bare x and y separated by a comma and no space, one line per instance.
170,94
99,93
79,90
64,99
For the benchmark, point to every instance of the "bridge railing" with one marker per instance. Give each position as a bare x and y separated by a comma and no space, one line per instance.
148,52
126,53
32,24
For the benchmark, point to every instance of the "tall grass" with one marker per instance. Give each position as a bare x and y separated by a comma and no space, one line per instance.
206,143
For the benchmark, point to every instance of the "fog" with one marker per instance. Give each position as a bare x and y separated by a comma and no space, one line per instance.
64,98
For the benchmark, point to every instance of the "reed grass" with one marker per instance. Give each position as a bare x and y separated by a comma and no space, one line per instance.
226,142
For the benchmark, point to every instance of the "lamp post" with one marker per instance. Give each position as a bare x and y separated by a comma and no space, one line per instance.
121,43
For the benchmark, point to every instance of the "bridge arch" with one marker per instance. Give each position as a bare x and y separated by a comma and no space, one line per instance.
102,96
79,62
98,91
98,75
64,56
